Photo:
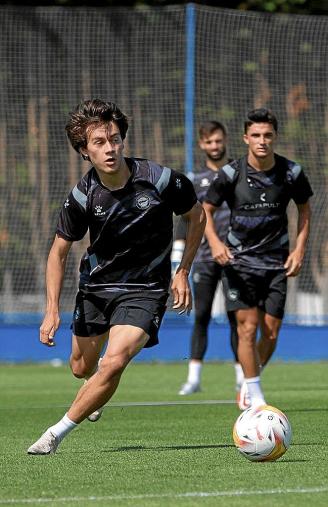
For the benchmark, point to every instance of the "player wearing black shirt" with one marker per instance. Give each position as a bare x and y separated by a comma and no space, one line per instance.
207,273
127,207
255,255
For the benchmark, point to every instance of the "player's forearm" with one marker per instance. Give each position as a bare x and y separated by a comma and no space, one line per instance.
196,220
303,227
54,278
210,229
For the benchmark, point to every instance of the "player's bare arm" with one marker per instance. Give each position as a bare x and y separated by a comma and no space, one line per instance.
54,280
220,252
295,259
196,220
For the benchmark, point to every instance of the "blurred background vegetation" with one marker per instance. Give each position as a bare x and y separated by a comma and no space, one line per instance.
285,6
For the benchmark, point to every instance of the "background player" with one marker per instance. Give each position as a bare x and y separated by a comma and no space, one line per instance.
256,256
127,206
207,272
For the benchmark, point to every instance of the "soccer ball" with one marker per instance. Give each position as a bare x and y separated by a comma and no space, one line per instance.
262,433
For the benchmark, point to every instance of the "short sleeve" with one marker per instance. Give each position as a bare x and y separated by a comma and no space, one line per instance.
181,229
301,189
180,193
72,223
218,191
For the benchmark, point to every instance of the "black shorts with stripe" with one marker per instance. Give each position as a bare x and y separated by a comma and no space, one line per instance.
95,314
265,289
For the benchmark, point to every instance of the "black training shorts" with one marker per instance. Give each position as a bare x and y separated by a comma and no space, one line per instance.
265,289
94,315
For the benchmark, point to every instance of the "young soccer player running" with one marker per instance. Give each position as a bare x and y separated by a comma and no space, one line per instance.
255,255
126,204
206,271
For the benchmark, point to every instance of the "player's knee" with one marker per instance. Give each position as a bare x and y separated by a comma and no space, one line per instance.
202,319
80,369
247,330
111,367
271,335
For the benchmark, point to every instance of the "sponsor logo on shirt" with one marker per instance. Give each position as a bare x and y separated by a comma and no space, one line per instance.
178,183
99,211
66,204
143,201
261,205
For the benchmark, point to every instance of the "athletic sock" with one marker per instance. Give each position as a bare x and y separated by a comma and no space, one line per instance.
254,390
63,427
239,376
194,372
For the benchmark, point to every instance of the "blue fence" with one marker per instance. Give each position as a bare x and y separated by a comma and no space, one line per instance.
296,343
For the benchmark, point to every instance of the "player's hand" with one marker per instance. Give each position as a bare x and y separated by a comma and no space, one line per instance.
182,296
48,328
221,254
293,263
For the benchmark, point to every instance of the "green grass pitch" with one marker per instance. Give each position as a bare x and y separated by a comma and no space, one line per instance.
144,454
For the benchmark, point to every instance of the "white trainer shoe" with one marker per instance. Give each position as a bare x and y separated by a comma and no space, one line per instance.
243,399
189,388
96,415
47,444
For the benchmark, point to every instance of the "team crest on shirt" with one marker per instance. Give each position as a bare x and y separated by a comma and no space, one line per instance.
205,182
143,201
66,204
233,294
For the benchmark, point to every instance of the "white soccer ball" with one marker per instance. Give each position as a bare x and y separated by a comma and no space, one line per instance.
262,433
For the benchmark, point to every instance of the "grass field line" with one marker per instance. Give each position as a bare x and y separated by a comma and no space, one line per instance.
193,494
122,404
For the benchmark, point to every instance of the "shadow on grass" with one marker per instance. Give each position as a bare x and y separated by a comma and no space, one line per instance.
168,447
307,443
138,448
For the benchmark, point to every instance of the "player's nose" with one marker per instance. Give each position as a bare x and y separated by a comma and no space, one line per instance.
109,147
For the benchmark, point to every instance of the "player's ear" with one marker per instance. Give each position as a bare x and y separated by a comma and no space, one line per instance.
85,156
245,138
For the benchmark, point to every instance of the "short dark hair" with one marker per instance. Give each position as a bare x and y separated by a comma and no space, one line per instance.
261,115
93,113
207,128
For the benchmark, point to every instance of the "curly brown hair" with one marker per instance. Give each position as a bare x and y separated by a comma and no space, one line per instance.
91,114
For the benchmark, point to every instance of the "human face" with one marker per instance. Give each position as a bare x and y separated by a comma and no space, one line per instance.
105,148
214,145
260,138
